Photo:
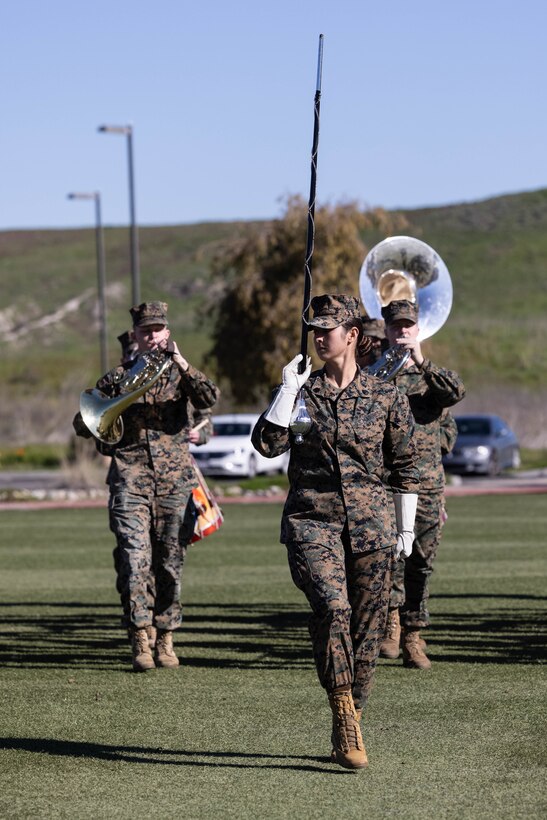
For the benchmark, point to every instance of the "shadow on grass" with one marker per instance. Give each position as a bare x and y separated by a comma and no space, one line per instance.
73,635
489,633
268,636
177,757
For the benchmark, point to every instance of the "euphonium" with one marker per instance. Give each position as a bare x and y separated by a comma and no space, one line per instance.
401,267
389,364
102,414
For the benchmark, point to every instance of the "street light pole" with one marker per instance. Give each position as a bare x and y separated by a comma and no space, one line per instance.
101,276
127,130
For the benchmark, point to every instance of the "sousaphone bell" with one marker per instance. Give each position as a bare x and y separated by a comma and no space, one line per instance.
401,267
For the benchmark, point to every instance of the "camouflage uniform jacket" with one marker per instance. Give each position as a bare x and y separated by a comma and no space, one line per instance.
205,432
153,456
336,474
429,390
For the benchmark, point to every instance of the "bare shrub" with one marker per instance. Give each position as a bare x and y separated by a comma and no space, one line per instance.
86,472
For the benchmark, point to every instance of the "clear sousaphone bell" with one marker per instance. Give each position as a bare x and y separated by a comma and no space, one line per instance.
401,267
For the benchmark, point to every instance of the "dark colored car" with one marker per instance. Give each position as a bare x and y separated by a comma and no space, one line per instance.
485,444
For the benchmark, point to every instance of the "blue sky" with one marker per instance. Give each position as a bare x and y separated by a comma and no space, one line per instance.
423,103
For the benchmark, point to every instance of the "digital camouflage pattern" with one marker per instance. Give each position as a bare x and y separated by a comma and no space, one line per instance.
151,478
151,552
338,521
448,432
153,454
430,391
205,432
348,595
374,327
410,590
149,313
448,436
400,309
332,310
336,475
184,536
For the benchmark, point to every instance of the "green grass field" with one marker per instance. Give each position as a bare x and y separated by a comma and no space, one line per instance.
242,729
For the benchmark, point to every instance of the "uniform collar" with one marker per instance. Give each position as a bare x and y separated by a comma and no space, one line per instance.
358,387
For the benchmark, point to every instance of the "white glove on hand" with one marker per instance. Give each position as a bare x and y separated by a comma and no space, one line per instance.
405,513
280,410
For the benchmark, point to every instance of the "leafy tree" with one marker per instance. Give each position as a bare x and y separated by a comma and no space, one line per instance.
257,319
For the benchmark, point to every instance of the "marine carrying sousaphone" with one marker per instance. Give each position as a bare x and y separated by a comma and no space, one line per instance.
401,267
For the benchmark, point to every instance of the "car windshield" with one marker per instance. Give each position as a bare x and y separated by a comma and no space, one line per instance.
227,428
473,427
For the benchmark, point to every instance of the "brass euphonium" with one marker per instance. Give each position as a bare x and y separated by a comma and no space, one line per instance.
102,414
389,363
401,267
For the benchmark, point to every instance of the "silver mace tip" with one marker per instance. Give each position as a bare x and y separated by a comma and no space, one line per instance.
300,423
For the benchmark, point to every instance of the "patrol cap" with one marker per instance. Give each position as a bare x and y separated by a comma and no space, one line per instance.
129,345
332,310
149,313
400,309
373,327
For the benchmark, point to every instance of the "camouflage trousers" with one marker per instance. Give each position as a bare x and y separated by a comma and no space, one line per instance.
410,589
348,595
151,538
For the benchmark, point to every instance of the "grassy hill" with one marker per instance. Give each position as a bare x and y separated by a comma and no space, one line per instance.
496,251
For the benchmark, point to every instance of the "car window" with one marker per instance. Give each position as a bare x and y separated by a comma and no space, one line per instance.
473,427
225,428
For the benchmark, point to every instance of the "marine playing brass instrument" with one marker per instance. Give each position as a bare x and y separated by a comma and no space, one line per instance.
389,364
102,414
401,267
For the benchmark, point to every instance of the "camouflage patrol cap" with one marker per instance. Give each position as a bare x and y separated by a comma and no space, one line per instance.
400,309
129,346
149,313
373,327
332,310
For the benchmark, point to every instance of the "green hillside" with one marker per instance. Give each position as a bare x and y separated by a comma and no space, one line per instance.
496,251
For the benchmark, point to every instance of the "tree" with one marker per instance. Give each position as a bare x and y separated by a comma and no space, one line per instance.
257,319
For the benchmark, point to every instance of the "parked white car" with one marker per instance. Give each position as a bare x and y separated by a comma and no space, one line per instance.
229,451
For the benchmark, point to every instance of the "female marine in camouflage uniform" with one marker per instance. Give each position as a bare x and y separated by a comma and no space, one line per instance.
337,522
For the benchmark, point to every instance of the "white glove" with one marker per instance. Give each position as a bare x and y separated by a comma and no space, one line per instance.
405,513
280,410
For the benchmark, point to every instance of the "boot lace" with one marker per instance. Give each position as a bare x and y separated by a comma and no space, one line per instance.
392,625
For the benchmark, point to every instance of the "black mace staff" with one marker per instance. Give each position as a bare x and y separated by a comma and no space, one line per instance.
310,239
301,422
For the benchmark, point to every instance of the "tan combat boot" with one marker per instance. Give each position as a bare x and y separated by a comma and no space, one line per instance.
349,750
391,645
165,654
151,631
142,655
414,656
358,713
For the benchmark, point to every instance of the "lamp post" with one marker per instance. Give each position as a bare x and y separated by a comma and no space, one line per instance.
99,244
127,130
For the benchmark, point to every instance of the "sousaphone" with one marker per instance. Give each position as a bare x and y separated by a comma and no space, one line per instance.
401,267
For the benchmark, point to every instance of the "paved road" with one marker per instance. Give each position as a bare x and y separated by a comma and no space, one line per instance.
32,480
523,481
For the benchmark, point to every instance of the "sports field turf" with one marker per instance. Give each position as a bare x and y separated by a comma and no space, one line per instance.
242,729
